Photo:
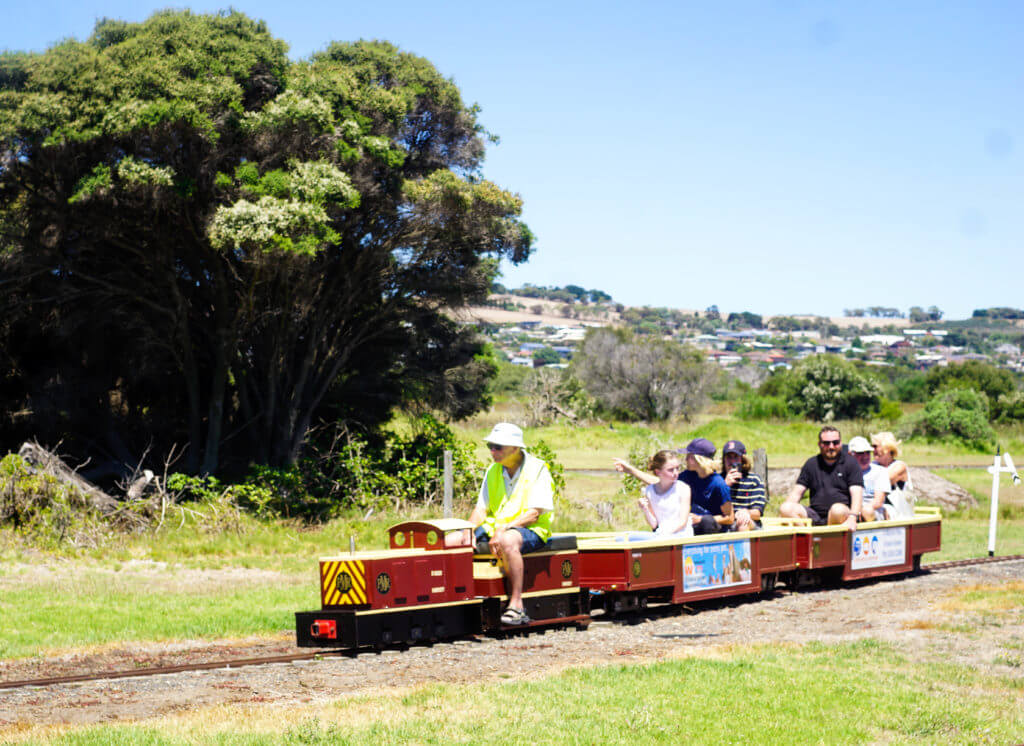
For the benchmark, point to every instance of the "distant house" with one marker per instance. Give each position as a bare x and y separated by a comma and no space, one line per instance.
519,360
885,340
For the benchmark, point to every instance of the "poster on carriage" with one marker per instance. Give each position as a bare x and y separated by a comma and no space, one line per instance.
878,547
716,565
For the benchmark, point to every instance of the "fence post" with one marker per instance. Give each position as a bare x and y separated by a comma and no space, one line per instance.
759,466
447,484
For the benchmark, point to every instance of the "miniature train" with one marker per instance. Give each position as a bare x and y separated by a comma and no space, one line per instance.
421,590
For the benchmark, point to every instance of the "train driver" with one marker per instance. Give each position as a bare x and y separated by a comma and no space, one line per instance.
514,510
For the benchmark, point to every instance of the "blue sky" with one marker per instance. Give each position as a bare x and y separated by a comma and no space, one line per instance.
777,157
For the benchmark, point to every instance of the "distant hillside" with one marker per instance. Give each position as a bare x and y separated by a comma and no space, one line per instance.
550,313
557,313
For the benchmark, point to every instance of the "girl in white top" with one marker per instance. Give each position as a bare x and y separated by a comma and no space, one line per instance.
666,503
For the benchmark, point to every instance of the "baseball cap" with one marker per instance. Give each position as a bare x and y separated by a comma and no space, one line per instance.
734,446
506,434
859,444
700,447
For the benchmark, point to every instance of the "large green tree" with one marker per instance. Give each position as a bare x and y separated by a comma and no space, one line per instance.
205,243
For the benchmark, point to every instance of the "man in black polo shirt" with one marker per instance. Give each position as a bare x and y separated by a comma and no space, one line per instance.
836,484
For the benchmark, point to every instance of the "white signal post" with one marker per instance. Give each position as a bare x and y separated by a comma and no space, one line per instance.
995,470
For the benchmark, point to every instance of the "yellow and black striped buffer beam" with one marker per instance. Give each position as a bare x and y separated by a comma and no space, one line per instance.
343,583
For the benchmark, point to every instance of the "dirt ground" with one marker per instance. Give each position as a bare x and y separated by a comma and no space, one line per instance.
909,612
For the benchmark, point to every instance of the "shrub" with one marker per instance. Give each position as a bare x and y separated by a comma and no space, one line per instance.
912,388
889,410
757,407
1009,407
973,374
545,453
826,388
39,504
962,413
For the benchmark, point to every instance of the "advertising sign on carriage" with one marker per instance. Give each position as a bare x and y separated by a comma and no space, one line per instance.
878,547
717,565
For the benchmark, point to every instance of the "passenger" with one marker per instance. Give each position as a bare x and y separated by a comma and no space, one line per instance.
514,510
901,498
836,485
887,452
876,481
665,503
710,501
710,506
746,490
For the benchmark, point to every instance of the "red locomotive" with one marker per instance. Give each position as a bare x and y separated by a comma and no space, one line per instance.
421,590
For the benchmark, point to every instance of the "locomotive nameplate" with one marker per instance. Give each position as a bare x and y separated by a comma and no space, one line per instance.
383,583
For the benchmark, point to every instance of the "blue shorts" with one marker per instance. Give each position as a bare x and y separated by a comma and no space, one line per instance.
531,542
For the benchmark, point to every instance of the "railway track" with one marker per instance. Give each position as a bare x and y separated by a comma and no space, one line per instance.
296,657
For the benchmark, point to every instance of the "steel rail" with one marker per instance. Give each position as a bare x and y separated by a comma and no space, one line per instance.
327,652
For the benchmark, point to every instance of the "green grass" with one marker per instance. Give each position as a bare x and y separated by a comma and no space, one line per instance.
788,443
846,693
83,607
116,594
113,593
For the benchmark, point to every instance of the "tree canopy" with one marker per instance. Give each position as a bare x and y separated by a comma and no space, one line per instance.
643,377
203,243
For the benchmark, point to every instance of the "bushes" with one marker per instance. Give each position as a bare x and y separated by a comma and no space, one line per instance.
825,388
757,407
962,413
351,471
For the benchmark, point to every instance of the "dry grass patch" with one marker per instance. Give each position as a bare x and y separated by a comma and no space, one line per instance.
985,597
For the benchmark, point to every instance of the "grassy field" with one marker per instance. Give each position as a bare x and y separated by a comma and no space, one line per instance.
759,694
788,444
183,583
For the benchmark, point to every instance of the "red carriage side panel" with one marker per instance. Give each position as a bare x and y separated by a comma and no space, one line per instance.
542,572
629,566
823,546
777,552
926,537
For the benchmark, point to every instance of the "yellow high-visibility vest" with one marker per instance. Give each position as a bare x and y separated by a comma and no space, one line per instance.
504,508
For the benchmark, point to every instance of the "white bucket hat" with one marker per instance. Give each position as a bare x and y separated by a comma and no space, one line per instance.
506,434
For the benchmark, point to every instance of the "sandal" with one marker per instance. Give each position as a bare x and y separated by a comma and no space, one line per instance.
514,617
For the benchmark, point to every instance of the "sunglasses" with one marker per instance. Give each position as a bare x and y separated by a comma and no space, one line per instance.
830,442
494,447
